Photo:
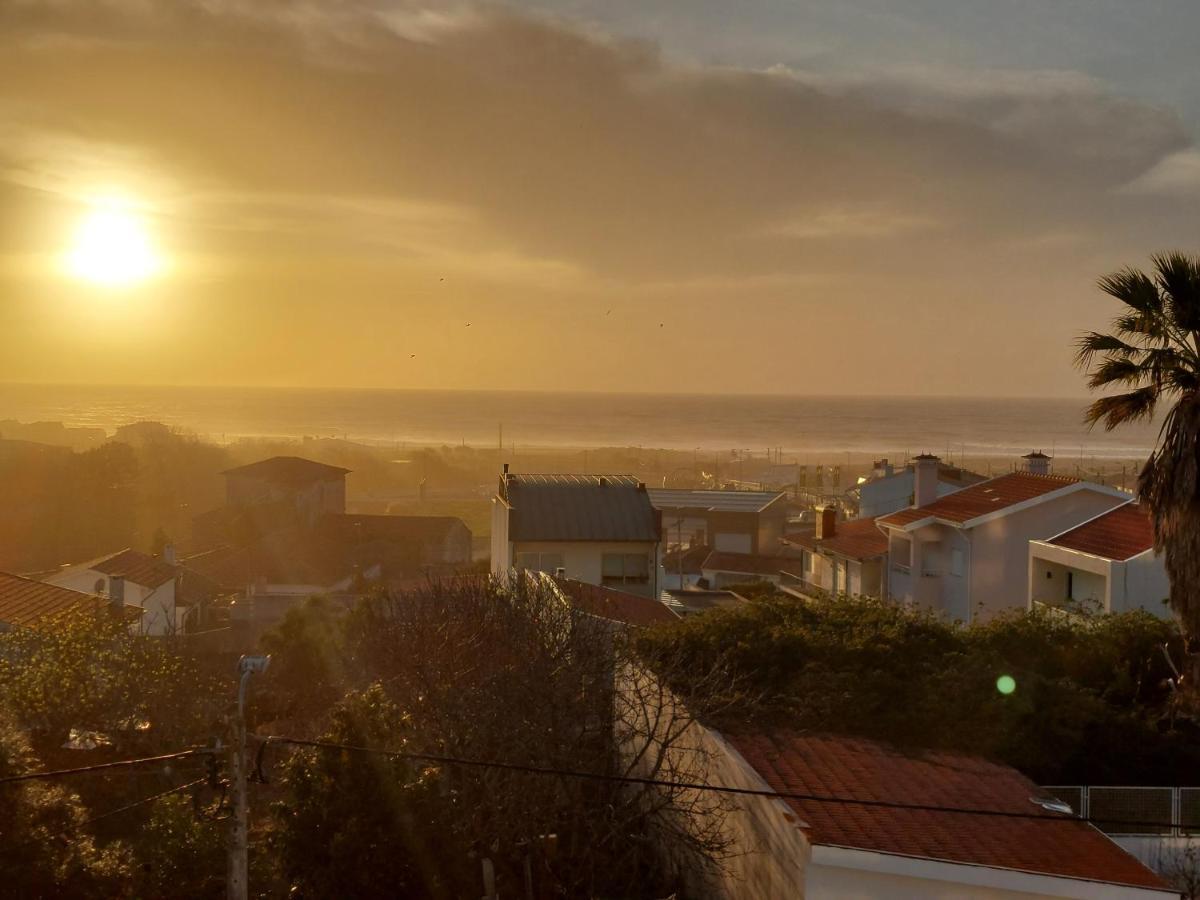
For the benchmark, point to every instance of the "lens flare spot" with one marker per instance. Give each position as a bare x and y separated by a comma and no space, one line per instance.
1006,684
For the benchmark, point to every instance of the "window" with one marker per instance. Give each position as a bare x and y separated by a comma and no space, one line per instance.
539,562
956,562
617,569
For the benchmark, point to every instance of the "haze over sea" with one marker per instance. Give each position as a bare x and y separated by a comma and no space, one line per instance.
805,427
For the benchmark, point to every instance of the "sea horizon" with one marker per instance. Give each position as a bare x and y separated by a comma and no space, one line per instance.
801,427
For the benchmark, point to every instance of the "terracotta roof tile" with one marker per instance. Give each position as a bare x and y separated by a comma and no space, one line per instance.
983,498
828,765
24,601
140,568
749,563
616,606
853,539
1119,534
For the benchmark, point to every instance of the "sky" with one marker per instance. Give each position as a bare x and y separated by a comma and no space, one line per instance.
774,196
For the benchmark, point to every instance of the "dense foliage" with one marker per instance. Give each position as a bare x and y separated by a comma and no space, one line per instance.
1092,703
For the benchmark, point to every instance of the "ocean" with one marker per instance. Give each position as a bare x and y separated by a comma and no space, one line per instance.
805,427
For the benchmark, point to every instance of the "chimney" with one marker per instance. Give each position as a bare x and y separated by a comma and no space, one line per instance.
603,481
506,468
116,592
169,554
826,522
925,479
883,468
1037,463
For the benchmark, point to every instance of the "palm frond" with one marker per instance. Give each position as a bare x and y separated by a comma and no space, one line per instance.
1118,409
1135,289
1094,342
1178,278
1119,370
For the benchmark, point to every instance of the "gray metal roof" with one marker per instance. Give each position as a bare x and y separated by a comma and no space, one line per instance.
717,501
579,508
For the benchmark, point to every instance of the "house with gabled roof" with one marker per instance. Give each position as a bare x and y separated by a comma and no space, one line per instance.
885,824
165,591
599,529
966,555
847,557
1106,564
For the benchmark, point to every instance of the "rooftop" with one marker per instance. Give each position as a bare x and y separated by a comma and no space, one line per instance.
579,508
983,498
1118,534
393,528
853,539
713,501
616,606
24,601
288,470
749,563
140,568
826,765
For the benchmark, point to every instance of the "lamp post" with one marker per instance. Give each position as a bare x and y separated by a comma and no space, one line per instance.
238,867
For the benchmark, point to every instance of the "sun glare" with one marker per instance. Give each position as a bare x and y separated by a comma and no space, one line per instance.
111,248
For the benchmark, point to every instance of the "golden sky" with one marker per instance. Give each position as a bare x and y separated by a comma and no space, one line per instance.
336,190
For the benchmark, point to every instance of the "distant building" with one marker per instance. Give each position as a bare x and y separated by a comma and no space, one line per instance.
1107,564
25,603
966,555
848,557
406,546
872,851
733,521
599,529
165,591
887,489
311,488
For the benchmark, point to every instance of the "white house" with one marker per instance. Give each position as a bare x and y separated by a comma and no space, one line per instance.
1107,564
966,555
847,557
599,529
887,489
866,851
133,578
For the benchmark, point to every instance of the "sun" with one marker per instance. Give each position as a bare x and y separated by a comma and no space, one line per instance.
111,247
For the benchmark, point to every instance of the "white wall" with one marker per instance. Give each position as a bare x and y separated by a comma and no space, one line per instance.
158,603
501,549
1144,585
838,873
582,560
999,564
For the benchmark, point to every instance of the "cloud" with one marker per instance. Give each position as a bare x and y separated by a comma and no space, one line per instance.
525,152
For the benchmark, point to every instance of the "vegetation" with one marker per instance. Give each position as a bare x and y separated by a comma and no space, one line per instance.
1152,355
1092,703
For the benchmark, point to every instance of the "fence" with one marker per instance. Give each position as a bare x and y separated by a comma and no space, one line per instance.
1117,810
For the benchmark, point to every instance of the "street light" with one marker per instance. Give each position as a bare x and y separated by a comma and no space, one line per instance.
238,869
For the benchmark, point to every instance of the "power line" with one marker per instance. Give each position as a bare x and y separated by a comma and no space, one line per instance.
99,767
700,786
105,815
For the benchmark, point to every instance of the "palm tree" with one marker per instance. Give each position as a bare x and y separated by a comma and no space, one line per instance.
1152,355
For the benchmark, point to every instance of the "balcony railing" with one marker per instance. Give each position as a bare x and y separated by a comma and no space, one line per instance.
1140,811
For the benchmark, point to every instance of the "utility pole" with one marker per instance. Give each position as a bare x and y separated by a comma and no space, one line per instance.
238,868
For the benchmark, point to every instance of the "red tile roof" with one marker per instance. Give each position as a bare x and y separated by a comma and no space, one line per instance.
983,498
749,563
828,765
617,606
853,539
24,601
140,568
1119,534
